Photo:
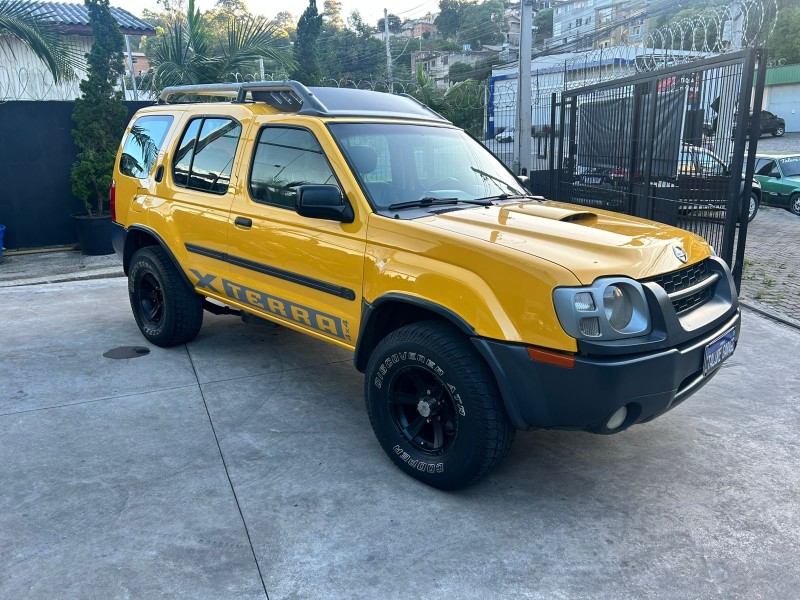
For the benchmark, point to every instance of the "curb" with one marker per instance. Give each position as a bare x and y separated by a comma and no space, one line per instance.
64,278
766,311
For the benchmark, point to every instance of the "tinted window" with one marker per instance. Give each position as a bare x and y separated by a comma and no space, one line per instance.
142,145
764,167
285,158
205,155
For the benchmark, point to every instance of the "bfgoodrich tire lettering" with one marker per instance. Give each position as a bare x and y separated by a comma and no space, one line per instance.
166,310
434,406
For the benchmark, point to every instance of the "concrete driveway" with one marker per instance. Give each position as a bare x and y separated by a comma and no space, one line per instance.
244,464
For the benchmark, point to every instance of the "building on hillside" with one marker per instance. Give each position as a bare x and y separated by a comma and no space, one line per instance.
587,24
416,28
24,77
437,63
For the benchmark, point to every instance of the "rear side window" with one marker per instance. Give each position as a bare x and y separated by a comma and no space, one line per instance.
143,145
205,154
286,157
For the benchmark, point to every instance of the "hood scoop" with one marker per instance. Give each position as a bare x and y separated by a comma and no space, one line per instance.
555,213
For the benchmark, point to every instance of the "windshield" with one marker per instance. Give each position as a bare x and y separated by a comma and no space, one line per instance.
791,166
398,163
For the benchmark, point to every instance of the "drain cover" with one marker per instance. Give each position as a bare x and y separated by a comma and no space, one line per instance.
127,352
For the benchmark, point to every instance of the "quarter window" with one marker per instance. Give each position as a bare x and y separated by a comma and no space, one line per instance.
205,155
143,145
284,159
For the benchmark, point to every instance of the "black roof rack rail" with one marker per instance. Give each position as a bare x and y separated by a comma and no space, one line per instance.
293,96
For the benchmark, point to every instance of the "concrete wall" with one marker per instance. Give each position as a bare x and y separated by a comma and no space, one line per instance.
784,101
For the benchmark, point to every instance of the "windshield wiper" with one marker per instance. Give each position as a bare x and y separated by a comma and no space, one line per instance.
513,197
430,201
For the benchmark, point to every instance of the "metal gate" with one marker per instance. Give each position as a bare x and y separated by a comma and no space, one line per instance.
667,144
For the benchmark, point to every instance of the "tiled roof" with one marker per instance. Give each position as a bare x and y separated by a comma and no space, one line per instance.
77,15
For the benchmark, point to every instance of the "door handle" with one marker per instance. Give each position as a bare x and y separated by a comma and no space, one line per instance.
243,222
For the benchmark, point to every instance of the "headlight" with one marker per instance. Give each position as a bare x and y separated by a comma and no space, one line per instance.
611,308
618,307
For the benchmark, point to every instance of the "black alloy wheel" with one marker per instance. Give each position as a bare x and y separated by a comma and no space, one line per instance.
423,410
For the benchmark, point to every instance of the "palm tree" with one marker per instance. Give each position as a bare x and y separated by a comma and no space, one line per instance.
37,33
187,54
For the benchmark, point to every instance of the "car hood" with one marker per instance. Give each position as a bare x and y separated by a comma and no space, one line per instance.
589,242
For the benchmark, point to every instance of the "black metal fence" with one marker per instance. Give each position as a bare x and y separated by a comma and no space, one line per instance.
667,145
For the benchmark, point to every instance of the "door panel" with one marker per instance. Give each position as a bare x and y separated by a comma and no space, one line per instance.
301,271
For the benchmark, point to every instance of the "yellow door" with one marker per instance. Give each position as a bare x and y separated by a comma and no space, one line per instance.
200,194
304,272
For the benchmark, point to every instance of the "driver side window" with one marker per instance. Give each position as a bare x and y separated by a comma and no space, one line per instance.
285,158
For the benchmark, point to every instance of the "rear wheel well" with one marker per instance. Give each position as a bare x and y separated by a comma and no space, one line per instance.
386,317
135,240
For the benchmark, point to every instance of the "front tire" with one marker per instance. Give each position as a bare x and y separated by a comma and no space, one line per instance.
434,406
166,310
794,204
778,131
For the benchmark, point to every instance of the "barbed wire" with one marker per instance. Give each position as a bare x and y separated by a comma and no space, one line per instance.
26,83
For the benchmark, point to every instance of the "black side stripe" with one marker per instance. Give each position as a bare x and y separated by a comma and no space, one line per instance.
316,284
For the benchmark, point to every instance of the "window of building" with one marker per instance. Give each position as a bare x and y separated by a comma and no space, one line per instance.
205,154
143,144
578,22
285,158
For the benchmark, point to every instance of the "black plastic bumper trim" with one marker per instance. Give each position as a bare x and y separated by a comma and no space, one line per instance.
539,395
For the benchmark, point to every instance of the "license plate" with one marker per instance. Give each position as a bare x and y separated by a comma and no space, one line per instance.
718,351
593,180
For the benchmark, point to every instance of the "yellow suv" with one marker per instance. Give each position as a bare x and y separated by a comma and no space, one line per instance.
369,221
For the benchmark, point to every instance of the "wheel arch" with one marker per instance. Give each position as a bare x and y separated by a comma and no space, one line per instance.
139,236
392,311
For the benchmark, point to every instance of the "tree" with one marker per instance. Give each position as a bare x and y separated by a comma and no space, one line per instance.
333,14
469,22
544,24
41,36
99,113
187,53
784,42
286,24
395,24
357,24
305,49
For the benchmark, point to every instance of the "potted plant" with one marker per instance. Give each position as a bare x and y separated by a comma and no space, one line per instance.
99,117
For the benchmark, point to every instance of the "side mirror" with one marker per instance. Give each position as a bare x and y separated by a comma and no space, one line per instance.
323,202
776,174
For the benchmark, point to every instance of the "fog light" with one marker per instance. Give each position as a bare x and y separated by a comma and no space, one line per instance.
590,326
618,418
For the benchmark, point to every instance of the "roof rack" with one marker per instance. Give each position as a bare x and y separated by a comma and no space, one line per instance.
293,96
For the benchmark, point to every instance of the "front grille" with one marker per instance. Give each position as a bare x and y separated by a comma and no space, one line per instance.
695,299
684,278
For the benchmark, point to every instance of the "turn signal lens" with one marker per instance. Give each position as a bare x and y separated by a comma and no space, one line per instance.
584,302
552,358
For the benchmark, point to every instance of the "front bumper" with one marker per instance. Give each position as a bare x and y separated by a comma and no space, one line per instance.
539,395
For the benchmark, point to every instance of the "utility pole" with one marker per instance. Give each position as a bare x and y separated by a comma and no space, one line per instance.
130,67
522,135
388,50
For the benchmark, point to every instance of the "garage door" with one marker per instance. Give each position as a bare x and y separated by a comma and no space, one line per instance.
784,102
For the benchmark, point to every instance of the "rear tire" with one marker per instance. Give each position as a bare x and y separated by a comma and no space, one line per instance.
753,208
166,310
434,406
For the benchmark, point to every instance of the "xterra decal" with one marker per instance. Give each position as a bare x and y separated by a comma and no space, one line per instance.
277,306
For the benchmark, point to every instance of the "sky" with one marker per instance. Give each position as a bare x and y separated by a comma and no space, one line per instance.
371,10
